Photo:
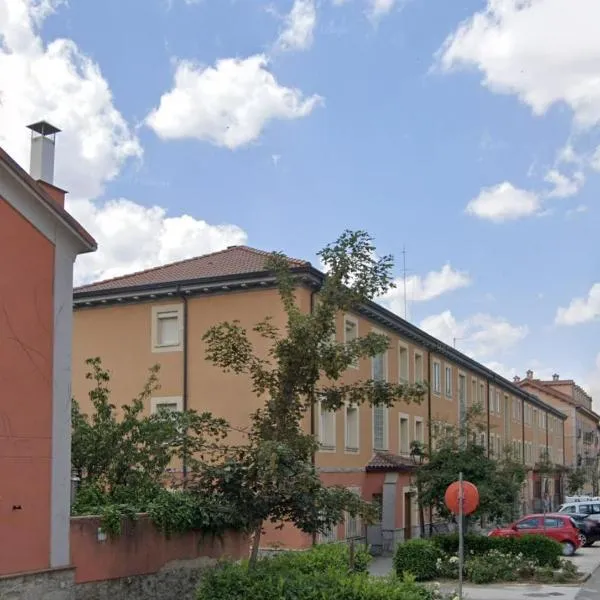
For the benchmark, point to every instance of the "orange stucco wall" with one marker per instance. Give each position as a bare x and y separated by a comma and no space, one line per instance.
26,338
142,549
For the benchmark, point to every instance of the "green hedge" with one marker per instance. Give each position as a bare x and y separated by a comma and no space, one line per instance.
318,574
544,551
418,557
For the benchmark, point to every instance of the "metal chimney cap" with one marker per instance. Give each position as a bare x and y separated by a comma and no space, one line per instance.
43,128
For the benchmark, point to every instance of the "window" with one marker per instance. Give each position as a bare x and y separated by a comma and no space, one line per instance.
481,397
419,430
379,367
380,428
418,368
168,403
403,364
473,391
482,439
326,429
437,376
462,397
498,403
329,536
448,381
404,435
553,523
166,328
528,524
352,429
350,334
353,524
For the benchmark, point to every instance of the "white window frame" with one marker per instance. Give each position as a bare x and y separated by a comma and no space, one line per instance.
481,394
419,354
459,402
474,389
350,319
328,448
348,449
170,310
419,421
436,384
405,348
386,428
158,401
401,450
329,537
446,380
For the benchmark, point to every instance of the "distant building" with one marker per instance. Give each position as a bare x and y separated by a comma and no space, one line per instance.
581,426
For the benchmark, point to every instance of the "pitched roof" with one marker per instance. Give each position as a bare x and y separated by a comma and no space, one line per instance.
386,461
42,195
235,260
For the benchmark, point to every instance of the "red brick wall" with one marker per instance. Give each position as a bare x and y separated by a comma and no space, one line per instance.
141,549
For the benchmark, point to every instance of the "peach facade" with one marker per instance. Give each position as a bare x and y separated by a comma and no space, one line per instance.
128,329
38,245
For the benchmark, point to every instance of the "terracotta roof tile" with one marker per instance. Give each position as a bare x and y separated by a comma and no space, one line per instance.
44,197
235,260
386,461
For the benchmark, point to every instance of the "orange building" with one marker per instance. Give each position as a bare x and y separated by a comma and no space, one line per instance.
160,316
39,241
581,441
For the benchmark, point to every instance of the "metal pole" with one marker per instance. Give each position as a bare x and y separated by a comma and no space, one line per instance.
461,549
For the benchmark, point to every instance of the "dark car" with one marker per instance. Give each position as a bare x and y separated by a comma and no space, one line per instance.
589,528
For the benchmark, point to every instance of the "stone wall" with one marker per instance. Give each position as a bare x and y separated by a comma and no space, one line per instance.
56,584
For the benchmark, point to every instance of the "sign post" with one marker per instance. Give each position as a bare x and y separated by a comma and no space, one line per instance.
462,498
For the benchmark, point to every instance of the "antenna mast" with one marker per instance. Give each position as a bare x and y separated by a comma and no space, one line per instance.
404,279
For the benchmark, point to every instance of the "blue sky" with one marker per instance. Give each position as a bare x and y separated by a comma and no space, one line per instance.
461,131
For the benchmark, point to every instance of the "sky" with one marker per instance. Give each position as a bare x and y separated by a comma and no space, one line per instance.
465,133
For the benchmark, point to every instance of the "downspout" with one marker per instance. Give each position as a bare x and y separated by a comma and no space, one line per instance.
489,399
429,421
185,380
523,430
312,410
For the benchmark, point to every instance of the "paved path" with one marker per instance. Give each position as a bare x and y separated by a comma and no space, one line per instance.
590,590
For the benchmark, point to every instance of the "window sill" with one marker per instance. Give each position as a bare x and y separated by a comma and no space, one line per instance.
168,348
327,449
349,450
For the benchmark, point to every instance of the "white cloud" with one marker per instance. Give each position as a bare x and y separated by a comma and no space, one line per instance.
58,83
581,310
298,32
132,237
515,46
504,202
581,208
424,288
480,336
229,104
591,382
564,186
379,8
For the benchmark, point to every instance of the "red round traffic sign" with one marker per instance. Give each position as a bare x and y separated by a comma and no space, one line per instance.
470,497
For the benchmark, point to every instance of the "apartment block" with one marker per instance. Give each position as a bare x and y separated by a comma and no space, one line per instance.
581,427
160,316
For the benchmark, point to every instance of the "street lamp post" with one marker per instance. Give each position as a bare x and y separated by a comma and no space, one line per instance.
417,455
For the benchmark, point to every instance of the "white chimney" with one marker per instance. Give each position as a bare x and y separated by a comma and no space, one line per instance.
530,374
43,136
556,377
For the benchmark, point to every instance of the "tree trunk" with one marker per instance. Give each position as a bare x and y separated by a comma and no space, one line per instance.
255,545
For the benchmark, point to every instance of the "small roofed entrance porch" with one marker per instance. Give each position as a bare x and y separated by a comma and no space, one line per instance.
391,480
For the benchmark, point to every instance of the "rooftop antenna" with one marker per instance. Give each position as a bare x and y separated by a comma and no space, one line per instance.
404,280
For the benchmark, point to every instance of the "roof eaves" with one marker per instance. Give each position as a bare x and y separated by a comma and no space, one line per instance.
60,213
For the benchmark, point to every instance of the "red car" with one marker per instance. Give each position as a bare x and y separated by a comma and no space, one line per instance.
558,526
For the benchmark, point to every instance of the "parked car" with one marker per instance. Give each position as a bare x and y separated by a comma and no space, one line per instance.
580,508
559,527
589,528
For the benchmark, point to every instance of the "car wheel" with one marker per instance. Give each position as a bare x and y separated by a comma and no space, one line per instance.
568,549
583,539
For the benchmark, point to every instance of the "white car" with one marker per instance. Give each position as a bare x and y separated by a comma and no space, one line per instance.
581,508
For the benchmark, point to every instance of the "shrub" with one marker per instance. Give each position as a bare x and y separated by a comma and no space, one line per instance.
542,550
268,581
418,557
493,566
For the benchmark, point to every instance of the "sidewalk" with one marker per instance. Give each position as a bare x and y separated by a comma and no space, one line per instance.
587,561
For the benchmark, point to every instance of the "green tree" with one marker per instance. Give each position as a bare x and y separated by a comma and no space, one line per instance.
459,449
273,478
576,479
122,460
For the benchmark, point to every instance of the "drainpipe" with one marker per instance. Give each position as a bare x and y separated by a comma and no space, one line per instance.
312,409
429,421
523,430
489,399
185,378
